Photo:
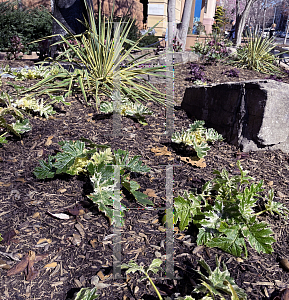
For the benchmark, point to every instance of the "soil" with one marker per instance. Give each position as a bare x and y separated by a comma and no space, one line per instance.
27,205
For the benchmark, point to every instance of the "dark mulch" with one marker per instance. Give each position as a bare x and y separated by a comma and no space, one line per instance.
26,201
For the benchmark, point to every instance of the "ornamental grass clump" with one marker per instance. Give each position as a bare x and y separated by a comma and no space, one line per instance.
103,64
257,55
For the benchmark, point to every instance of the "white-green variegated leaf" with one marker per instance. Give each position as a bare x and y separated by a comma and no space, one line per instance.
259,236
155,266
197,125
106,107
232,240
22,126
212,135
216,281
185,208
132,267
247,202
86,294
275,207
201,148
177,137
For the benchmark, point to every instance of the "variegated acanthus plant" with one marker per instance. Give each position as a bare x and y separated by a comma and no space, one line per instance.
197,136
76,158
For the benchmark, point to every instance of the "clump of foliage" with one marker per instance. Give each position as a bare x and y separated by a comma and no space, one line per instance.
218,282
40,72
220,19
15,47
232,73
225,213
26,24
256,55
101,64
75,159
126,108
8,110
197,72
213,50
3,139
197,136
154,267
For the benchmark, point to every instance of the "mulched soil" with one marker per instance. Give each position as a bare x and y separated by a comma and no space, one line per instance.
26,203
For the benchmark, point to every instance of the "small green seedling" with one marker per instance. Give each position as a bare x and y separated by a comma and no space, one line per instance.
218,282
154,267
197,137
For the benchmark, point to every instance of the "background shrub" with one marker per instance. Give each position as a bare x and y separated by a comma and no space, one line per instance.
27,24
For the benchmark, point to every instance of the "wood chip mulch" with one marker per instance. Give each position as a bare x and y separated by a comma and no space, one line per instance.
78,251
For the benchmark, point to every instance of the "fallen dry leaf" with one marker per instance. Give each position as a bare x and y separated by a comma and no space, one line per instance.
62,191
161,151
80,230
195,161
19,267
93,243
150,193
51,265
76,240
20,179
100,275
59,216
49,141
36,215
44,240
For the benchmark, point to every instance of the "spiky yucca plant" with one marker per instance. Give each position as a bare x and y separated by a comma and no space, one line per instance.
256,55
102,64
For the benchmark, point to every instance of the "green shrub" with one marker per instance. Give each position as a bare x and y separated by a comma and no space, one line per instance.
27,24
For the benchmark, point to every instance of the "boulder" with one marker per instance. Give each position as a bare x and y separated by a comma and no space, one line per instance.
253,115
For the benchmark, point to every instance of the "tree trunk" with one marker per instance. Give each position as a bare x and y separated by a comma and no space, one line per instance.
183,31
264,17
287,30
171,23
241,20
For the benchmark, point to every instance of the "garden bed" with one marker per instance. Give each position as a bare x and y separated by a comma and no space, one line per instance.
26,204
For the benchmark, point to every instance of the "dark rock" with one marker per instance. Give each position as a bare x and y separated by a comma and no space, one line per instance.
253,115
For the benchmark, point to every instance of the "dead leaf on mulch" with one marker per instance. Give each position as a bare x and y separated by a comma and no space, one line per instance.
49,141
150,193
195,161
27,265
161,151
44,240
51,265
